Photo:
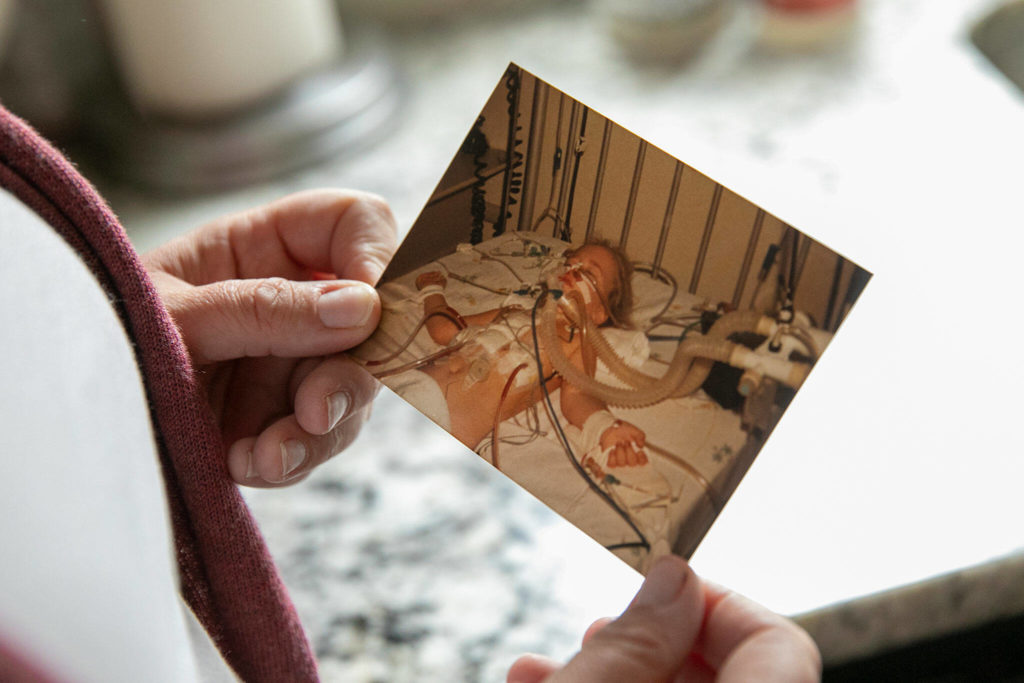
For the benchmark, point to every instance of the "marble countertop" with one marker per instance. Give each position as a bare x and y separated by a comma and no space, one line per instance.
410,559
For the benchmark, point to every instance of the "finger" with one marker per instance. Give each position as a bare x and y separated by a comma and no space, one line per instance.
349,233
334,390
628,457
745,641
613,456
256,395
638,455
531,669
273,317
652,638
631,455
363,235
595,627
694,670
284,453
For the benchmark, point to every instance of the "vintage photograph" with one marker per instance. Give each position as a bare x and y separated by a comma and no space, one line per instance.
610,328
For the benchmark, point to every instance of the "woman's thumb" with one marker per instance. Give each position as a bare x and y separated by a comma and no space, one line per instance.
652,638
273,317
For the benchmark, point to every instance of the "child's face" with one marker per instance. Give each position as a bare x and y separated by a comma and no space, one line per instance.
592,276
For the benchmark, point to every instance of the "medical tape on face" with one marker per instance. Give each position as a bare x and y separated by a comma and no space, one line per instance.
585,289
580,281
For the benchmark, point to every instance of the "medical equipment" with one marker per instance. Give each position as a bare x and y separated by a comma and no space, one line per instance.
696,447
643,542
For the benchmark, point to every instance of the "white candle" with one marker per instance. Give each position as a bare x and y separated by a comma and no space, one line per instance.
194,58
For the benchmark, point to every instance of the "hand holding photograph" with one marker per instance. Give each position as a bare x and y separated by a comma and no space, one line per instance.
610,328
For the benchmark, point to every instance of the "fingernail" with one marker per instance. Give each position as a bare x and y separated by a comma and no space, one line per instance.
664,581
348,306
293,454
337,406
250,469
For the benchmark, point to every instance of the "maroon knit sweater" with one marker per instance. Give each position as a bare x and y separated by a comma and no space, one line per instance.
227,575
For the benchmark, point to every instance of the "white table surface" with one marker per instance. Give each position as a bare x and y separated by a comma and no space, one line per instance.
901,457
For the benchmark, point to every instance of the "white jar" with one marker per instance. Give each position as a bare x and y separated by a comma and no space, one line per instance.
662,30
201,58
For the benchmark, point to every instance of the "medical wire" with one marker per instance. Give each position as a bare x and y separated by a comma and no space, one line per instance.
643,542
450,313
488,257
497,414
401,347
556,175
466,280
550,408
418,363
657,273
709,491
674,337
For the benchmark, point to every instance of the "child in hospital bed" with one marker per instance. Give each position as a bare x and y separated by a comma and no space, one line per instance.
476,383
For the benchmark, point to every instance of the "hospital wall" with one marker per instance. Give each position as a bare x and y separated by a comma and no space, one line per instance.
626,191
661,211
446,218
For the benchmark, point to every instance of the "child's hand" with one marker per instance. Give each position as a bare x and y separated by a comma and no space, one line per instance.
265,301
626,442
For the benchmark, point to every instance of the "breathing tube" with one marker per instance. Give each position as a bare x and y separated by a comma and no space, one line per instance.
687,371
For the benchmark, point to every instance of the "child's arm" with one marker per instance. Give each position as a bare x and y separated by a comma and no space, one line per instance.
599,426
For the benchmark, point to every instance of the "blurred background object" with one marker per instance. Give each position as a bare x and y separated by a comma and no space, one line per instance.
198,96
806,24
193,59
6,9
412,11
201,97
901,150
51,63
662,30
1000,37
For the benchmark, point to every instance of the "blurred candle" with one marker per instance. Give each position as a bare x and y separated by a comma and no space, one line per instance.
200,58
